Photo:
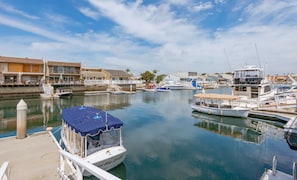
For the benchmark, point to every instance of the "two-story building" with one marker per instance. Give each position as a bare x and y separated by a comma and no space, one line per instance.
63,72
15,70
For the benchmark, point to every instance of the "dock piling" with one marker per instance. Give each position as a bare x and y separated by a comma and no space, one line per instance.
21,119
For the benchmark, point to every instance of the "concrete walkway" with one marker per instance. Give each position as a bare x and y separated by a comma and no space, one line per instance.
34,157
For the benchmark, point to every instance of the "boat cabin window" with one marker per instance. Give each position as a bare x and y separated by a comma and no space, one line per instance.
267,89
103,140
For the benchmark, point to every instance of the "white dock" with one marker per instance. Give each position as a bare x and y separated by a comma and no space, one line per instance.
274,174
291,125
34,157
38,156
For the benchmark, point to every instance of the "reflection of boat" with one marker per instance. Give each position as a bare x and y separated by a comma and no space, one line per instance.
93,135
244,129
219,104
290,129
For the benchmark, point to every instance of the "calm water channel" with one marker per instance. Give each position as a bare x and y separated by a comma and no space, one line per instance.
166,140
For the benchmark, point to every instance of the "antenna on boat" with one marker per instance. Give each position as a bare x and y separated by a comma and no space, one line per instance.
106,124
227,60
258,56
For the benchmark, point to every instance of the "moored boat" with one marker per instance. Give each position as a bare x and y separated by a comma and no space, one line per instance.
219,104
93,135
252,83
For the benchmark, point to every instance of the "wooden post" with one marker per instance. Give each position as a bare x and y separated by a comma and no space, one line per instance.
21,119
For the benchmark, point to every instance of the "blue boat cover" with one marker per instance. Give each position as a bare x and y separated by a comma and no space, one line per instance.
88,120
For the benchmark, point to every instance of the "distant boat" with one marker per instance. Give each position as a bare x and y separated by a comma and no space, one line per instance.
150,88
176,87
93,135
49,93
163,89
219,104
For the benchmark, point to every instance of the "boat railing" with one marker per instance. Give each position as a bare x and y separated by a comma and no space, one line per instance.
274,170
80,166
4,171
248,80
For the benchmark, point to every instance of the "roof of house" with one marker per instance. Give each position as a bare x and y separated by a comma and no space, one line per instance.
58,63
26,60
117,73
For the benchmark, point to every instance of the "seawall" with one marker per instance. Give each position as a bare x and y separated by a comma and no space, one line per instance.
17,92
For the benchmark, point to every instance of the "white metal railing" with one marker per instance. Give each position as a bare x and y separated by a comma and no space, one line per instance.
274,170
82,165
4,171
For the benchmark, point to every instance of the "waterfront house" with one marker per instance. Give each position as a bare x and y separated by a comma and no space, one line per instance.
21,71
118,74
63,72
94,74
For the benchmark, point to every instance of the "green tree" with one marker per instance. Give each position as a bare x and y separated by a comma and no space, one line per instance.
147,76
160,78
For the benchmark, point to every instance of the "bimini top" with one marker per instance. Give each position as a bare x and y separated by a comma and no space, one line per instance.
88,120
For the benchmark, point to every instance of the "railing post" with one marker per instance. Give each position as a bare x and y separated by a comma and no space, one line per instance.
274,162
294,171
3,171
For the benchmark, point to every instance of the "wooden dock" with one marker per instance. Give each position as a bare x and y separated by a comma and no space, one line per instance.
34,157
273,114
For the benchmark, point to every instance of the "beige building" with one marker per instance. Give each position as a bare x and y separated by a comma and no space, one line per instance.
118,74
63,72
94,74
103,74
15,70
23,71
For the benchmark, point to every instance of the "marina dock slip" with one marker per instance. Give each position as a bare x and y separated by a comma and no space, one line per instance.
273,114
34,157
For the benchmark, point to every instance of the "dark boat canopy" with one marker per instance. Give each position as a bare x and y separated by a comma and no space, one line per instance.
88,120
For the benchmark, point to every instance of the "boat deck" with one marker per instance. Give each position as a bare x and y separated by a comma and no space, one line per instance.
268,175
34,157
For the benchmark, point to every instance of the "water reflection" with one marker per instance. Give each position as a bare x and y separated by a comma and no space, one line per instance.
47,113
244,129
291,139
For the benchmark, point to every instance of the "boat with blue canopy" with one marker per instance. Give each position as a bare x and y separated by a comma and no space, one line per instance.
94,135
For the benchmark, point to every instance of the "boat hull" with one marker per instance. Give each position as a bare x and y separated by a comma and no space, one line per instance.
233,112
176,87
107,159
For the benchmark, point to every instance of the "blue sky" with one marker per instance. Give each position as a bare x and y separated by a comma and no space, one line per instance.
170,36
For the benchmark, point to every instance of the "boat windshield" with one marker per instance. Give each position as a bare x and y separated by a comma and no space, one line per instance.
103,140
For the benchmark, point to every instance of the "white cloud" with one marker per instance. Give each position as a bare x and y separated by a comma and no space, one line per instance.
156,24
168,43
89,13
11,9
203,6
273,12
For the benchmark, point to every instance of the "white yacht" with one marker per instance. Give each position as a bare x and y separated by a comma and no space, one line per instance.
252,83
